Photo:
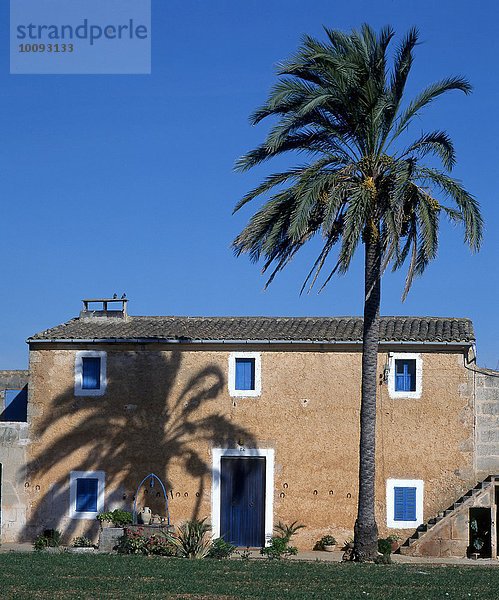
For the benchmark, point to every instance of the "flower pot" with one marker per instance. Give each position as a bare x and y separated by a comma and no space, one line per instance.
329,548
145,515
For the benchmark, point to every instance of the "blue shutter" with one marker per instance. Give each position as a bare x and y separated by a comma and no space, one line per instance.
91,373
86,494
16,405
245,373
404,503
410,504
405,375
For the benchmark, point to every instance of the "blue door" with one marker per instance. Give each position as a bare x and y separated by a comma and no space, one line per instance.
242,510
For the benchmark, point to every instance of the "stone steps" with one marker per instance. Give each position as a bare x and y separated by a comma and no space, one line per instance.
423,529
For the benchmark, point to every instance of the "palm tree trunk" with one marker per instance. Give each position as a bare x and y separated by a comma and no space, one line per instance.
366,530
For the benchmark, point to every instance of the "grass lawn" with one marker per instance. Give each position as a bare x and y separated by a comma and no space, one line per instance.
39,575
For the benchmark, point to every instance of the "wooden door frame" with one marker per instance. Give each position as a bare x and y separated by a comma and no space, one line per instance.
217,455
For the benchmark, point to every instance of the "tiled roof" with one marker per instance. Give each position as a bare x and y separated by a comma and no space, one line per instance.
316,329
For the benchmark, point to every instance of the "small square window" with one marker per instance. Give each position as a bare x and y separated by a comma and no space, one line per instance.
405,375
245,374
86,494
90,373
404,503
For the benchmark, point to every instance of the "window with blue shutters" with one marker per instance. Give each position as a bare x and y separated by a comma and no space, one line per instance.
90,373
405,375
86,494
404,504
245,374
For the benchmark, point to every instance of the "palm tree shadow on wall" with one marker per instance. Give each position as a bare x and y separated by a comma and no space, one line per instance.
154,417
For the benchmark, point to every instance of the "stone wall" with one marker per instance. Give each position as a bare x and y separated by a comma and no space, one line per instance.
13,445
487,422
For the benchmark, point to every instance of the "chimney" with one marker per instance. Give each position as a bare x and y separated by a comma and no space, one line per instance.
104,308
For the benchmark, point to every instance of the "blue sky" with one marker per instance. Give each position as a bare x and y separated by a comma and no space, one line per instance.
126,183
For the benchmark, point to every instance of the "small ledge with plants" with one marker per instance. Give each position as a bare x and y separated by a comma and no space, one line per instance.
191,539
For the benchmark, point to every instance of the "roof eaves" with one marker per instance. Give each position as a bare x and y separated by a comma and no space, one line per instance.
152,340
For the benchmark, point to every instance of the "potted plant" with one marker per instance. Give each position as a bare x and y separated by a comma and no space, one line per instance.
326,543
394,541
105,519
116,518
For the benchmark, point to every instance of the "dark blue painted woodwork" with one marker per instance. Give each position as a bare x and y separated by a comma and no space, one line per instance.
15,405
91,373
245,373
242,510
405,503
86,494
405,375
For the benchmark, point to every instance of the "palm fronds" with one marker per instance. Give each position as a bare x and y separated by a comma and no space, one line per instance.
340,103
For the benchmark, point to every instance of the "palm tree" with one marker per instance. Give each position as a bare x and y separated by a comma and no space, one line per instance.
340,103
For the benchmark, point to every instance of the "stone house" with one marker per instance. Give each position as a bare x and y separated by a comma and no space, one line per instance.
13,447
253,420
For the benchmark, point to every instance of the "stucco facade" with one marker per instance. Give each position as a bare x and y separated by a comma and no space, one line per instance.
168,409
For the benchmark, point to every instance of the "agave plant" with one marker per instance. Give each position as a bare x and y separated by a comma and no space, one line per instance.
191,540
286,532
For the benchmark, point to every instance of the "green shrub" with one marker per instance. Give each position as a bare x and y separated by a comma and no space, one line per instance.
220,549
50,538
82,542
190,541
279,544
385,546
134,542
118,517
40,543
278,548
383,559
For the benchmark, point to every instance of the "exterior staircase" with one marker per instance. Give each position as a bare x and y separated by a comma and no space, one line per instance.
447,534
